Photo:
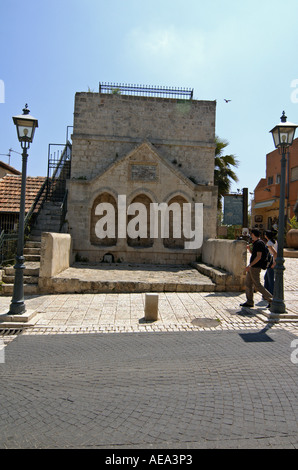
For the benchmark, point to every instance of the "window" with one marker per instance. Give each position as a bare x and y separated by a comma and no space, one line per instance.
270,179
277,179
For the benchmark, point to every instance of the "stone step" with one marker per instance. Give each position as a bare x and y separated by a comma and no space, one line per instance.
34,238
31,251
48,220
31,257
33,244
31,269
47,223
27,279
29,289
223,280
47,226
52,228
55,214
52,204
35,234
31,275
65,285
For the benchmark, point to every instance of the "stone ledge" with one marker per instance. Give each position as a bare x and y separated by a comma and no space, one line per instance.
277,317
17,318
266,316
223,280
290,253
29,289
73,285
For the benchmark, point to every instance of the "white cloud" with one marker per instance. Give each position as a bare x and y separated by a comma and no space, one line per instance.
179,51
157,42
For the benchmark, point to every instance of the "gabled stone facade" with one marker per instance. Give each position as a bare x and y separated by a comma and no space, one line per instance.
140,150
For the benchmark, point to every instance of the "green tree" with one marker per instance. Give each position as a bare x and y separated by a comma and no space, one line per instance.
223,170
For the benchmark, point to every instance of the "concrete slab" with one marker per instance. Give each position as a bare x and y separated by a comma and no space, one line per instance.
126,278
17,318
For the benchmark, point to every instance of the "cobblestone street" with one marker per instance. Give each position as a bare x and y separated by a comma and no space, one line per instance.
205,375
200,389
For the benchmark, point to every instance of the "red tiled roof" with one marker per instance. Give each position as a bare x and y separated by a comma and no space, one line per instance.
10,192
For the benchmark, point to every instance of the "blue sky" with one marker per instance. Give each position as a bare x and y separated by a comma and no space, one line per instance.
245,51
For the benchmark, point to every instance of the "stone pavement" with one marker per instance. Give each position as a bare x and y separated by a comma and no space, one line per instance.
164,390
205,375
178,311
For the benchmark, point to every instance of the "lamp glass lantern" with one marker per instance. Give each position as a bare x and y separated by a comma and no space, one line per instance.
26,125
283,133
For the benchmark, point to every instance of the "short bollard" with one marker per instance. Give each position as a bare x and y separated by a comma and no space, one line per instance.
151,307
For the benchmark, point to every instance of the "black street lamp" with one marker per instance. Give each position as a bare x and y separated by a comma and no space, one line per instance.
283,136
26,126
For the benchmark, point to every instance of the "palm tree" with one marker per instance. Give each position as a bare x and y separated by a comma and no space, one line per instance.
223,173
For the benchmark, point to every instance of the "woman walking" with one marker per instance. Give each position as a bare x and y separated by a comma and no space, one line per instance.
272,247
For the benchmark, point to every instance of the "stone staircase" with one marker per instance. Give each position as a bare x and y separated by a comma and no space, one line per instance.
31,271
48,220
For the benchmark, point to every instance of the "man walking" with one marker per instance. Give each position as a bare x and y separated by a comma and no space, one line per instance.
253,271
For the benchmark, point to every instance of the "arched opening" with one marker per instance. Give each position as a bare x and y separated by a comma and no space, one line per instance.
176,238
138,222
104,221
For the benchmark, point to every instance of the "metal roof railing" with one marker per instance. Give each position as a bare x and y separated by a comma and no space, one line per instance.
145,90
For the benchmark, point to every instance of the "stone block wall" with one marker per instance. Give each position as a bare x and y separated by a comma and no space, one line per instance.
229,255
55,254
152,150
107,127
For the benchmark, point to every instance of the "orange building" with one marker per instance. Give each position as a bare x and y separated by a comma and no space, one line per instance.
265,206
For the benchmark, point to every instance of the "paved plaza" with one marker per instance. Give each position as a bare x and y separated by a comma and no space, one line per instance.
178,311
207,374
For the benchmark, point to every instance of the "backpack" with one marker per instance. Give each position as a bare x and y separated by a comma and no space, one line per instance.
267,259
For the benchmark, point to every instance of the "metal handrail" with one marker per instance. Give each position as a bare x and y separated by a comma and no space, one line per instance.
34,204
3,237
62,159
59,166
63,210
2,234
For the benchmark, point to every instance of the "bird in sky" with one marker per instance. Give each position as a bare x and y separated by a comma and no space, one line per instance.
227,101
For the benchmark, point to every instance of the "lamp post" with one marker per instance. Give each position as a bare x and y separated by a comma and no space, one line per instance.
26,126
283,136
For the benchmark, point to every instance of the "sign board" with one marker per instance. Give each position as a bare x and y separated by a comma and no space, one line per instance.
233,209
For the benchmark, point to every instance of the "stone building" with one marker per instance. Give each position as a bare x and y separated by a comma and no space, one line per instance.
6,169
265,207
132,156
